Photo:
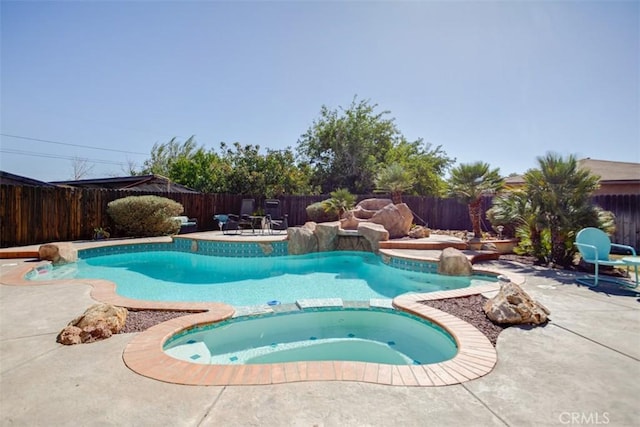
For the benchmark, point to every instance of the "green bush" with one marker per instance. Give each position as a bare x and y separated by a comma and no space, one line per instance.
145,216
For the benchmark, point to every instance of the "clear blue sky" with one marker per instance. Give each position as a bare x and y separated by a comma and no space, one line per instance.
503,82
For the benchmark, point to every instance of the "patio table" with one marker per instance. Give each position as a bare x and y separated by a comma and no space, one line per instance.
633,261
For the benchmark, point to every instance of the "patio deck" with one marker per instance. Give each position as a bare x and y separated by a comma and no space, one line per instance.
583,365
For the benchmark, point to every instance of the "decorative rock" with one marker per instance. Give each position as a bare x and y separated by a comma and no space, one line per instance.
373,233
396,219
317,213
326,234
58,253
368,207
350,221
352,243
98,322
419,232
514,306
302,240
70,335
454,263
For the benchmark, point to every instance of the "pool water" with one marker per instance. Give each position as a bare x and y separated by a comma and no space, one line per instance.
376,336
182,276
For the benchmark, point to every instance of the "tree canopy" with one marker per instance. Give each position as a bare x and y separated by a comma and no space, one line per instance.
347,148
344,148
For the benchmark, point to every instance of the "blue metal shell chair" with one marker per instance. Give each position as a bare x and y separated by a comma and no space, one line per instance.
595,246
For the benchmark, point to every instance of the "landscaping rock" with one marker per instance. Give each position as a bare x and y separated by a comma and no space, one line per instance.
302,240
317,213
454,263
514,306
419,232
326,234
373,233
58,253
350,222
396,219
98,322
368,207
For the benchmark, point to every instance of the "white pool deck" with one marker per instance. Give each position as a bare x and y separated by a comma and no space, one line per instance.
583,367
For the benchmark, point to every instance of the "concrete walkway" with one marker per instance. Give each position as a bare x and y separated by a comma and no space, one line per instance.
581,368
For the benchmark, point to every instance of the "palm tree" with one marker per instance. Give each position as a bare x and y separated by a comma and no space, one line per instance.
395,180
341,201
561,193
469,182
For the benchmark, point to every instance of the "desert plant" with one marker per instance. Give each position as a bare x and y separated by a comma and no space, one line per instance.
395,180
341,201
144,216
469,182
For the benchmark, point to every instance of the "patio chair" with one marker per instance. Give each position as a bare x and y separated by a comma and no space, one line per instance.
595,246
274,219
233,223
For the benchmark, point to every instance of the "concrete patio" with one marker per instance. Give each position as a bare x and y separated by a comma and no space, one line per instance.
583,367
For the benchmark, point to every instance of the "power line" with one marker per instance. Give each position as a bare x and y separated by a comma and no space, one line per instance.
57,156
72,145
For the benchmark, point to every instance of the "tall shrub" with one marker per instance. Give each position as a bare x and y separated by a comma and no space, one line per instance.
145,216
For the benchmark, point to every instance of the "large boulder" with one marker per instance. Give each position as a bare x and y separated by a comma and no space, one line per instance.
327,233
454,263
367,208
514,306
373,233
58,253
396,219
350,221
302,240
98,322
317,213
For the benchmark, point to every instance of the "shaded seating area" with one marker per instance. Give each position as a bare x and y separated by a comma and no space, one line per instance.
275,221
234,223
595,248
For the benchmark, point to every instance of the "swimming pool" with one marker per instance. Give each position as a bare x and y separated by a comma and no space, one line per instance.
170,275
373,335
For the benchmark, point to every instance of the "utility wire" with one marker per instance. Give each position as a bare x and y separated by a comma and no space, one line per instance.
57,156
72,145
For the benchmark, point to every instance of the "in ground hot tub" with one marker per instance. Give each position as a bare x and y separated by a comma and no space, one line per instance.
364,335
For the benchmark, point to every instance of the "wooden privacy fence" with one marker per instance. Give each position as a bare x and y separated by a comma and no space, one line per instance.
33,215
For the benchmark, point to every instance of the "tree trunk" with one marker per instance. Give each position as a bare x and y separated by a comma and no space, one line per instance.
474,215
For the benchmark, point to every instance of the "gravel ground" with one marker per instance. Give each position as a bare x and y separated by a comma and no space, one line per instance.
140,320
468,309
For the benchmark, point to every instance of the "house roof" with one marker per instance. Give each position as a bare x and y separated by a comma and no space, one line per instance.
13,179
608,171
156,183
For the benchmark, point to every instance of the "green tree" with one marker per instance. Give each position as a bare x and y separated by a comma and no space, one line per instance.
560,194
345,147
427,165
204,171
163,155
272,174
469,182
394,179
